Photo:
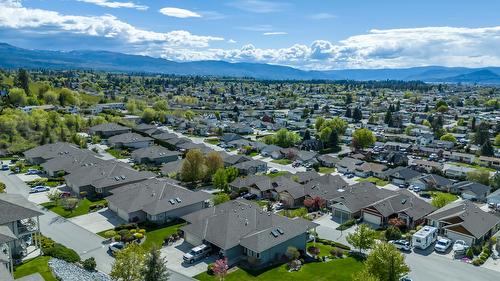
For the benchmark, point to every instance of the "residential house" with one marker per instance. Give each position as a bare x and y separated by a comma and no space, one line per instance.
154,155
130,140
463,220
251,167
402,175
97,180
471,190
242,232
272,151
459,157
348,165
369,169
493,162
43,153
19,229
327,187
329,161
68,162
457,172
426,165
432,181
155,200
494,198
304,177
171,168
107,130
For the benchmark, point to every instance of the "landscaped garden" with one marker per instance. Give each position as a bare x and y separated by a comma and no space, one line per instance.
326,170
373,180
214,141
278,174
157,235
282,161
73,207
38,264
117,153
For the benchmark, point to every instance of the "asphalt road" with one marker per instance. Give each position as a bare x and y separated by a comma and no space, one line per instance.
84,242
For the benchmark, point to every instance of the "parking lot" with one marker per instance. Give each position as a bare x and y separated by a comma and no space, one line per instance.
174,254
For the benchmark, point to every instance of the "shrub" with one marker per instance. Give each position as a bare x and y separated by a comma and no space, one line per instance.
89,264
337,252
210,269
133,231
110,233
469,253
128,238
127,226
142,230
59,251
477,262
476,250
346,224
117,237
392,233
123,232
139,235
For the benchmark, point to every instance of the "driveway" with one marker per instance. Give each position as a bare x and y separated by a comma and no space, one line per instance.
174,254
327,229
98,221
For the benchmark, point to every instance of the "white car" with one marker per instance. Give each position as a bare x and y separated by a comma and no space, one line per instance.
402,245
197,253
460,247
273,170
39,188
442,245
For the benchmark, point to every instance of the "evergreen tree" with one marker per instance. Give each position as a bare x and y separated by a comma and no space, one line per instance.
388,118
487,149
333,139
348,112
23,81
154,266
307,135
357,115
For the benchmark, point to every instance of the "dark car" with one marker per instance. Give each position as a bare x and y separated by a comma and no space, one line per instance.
250,196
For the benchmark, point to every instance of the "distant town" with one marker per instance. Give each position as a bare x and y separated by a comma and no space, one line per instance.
116,176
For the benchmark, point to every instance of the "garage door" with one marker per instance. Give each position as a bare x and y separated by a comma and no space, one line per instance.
371,219
454,236
339,214
192,239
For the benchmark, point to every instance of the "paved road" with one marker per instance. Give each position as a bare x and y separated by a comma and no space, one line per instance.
84,242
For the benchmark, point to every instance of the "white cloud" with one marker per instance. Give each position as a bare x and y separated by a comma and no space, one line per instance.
274,33
259,6
231,41
322,16
15,16
179,13
116,4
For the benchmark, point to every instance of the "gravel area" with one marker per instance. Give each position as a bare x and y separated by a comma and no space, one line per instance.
70,272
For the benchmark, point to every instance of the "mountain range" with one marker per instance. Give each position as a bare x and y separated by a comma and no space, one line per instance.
14,57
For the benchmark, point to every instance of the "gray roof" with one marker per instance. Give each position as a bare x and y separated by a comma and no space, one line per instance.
165,136
327,186
471,186
304,177
467,216
360,195
405,173
153,152
437,180
242,222
249,164
14,207
106,174
108,127
403,202
155,196
6,235
128,138
172,167
349,163
143,127
51,150
71,161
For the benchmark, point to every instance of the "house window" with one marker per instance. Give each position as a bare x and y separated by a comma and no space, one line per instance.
258,255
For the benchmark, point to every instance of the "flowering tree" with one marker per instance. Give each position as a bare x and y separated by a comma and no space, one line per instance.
220,268
315,203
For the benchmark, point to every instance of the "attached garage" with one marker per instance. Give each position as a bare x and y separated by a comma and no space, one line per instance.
192,239
454,236
372,219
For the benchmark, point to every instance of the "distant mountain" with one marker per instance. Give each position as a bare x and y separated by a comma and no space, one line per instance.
14,57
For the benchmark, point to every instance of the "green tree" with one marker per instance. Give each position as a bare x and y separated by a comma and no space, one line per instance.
193,166
161,105
219,180
363,138
388,118
22,81
51,97
17,97
148,115
324,135
487,149
479,176
440,200
232,173
155,268
67,97
357,115
221,198
385,262
129,264
2,187
213,162
448,137
497,140
319,123
363,238
364,275
482,133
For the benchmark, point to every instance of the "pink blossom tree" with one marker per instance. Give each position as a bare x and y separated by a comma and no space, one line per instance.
220,268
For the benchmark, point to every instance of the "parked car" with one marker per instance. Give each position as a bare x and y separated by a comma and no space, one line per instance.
115,247
279,206
349,175
460,247
250,196
273,170
39,188
32,172
402,245
197,253
5,167
442,245
64,194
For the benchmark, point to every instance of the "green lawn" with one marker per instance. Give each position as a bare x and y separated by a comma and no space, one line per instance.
374,180
81,209
157,235
280,173
282,161
326,170
253,154
337,269
39,264
213,141
118,154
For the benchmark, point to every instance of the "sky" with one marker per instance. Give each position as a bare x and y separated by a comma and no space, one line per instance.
308,34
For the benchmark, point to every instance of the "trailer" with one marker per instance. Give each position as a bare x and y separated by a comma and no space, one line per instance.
425,237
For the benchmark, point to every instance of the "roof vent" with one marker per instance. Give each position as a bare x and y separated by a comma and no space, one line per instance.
280,231
178,200
274,233
171,201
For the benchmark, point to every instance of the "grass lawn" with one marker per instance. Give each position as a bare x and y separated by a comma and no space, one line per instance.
118,154
81,209
326,170
474,166
213,141
280,173
282,161
253,154
374,180
262,203
157,235
338,269
39,264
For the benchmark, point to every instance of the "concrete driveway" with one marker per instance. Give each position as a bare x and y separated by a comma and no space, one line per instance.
101,220
174,254
327,229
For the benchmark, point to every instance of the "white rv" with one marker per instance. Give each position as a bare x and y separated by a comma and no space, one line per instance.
425,237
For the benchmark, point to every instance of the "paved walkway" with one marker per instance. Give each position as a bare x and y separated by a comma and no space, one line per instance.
98,221
327,229
174,254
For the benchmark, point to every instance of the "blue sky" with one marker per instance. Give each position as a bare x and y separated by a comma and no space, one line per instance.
309,34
